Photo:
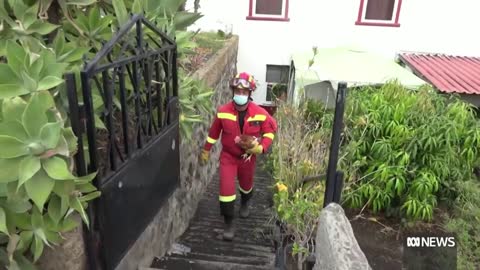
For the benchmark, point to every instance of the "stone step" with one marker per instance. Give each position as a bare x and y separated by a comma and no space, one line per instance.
231,256
201,247
219,243
178,263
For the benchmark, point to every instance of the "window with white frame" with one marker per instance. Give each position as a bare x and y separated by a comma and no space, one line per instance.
277,80
379,12
268,10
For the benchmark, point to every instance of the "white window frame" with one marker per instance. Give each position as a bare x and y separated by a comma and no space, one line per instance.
269,83
258,16
392,21
281,16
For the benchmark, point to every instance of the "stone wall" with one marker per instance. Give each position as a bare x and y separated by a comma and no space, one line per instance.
173,218
336,246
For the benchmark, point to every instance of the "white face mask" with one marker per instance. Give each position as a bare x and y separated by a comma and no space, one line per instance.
240,99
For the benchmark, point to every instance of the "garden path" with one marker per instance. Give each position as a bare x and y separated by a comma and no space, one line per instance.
252,247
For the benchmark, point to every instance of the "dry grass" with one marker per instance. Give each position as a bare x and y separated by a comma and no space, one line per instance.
300,149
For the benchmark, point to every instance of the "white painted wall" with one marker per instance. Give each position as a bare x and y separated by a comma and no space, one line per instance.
425,26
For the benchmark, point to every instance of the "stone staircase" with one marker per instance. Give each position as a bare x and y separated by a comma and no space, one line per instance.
201,247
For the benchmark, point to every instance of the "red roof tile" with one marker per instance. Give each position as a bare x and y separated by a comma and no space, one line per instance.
450,74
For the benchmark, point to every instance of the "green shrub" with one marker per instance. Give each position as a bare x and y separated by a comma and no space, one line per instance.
464,222
407,150
211,40
315,111
317,115
299,151
299,211
403,152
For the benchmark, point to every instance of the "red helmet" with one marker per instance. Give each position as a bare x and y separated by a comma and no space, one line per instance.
243,80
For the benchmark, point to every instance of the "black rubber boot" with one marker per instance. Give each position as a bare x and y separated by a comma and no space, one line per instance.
228,231
245,207
244,210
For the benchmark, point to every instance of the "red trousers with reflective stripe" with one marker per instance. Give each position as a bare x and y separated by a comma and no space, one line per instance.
232,167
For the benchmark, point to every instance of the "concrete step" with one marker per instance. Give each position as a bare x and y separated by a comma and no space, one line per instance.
176,263
201,247
223,256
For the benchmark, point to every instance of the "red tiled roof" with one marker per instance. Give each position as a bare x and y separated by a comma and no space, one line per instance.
450,74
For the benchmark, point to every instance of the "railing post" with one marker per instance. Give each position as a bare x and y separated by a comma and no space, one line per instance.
81,169
337,195
109,88
174,72
123,102
137,65
335,144
75,122
91,130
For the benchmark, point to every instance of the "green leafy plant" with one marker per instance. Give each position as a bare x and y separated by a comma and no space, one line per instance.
20,22
299,151
39,42
279,91
195,100
207,45
463,222
299,211
89,29
316,113
27,72
404,151
38,192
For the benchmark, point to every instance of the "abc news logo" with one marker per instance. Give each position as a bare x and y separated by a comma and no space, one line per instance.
431,242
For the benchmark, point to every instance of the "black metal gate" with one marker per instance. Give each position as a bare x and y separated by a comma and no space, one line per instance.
127,115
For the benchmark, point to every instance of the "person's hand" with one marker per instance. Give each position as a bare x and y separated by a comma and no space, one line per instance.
204,156
256,150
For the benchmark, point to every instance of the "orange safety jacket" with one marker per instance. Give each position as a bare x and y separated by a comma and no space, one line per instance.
258,122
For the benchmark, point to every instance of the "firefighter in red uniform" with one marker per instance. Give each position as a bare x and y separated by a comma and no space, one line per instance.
240,116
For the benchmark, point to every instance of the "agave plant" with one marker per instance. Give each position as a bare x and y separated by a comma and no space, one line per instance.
36,167
195,100
39,193
27,73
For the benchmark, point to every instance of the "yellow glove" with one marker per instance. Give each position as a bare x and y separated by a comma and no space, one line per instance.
257,150
204,157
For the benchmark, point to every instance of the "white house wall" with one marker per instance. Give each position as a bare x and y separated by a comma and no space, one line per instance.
425,26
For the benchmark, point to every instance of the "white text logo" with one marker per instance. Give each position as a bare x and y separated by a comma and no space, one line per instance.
430,242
